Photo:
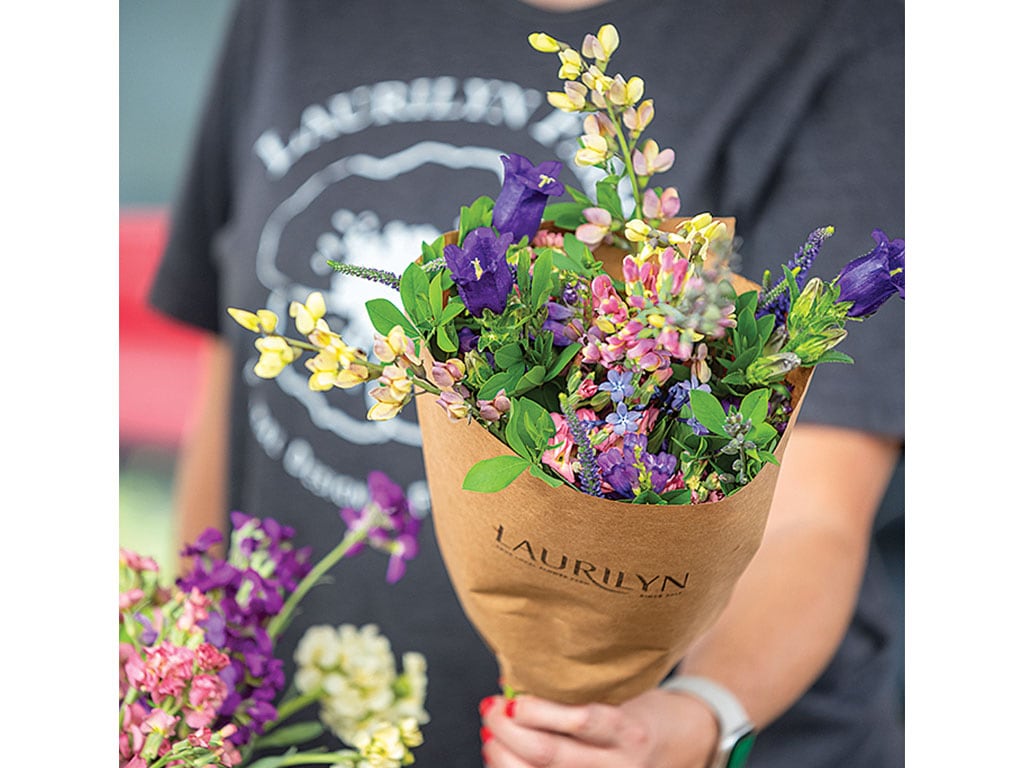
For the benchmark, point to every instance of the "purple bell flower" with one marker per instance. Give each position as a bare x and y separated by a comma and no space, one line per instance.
871,279
481,271
524,193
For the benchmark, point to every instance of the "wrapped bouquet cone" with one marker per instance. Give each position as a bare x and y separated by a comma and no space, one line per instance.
581,598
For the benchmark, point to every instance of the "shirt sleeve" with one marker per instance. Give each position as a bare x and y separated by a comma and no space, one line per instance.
845,168
187,282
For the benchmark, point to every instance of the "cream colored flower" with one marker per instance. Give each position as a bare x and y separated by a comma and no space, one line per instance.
595,150
544,43
572,99
572,64
307,315
276,354
261,321
603,45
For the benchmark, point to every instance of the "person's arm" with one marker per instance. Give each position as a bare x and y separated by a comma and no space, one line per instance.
200,482
784,622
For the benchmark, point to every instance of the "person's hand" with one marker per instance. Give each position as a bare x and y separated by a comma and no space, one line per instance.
657,729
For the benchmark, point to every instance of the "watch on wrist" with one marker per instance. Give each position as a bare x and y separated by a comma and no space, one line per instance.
735,731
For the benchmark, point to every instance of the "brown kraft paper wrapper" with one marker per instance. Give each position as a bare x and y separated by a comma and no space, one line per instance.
584,599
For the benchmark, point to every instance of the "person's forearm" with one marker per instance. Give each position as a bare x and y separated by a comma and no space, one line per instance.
792,607
200,483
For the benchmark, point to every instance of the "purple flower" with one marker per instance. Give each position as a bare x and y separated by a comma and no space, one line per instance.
524,193
390,524
619,385
870,280
565,323
206,540
776,300
631,469
624,420
480,270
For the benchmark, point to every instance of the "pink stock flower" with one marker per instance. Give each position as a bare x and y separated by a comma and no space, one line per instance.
126,600
168,668
195,610
137,562
547,239
210,659
159,721
204,699
133,668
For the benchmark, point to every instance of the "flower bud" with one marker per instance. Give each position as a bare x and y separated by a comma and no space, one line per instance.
771,368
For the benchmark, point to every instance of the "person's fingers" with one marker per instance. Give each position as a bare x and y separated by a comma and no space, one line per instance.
601,725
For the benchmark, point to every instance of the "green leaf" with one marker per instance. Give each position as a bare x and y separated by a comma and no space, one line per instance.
431,251
436,297
477,215
490,475
288,735
578,196
540,474
384,316
755,405
763,434
566,215
708,411
563,359
508,355
523,273
453,309
539,425
608,196
506,380
834,356
540,290
445,340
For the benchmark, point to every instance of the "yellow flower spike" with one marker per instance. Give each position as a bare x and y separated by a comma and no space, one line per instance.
275,355
248,320
596,80
657,321
608,36
352,376
309,313
699,221
572,64
544,43
384,411
637,230
634,90
595,150
638,118
604,324
573,99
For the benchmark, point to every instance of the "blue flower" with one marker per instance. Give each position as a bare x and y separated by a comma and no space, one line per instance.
870,280
624,420
619,385
481,271
524,193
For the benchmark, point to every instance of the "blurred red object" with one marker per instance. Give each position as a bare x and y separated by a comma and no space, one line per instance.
160,359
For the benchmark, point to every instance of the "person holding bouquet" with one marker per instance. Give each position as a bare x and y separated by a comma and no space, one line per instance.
352,132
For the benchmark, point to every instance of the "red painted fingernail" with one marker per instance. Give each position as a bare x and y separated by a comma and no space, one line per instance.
510,708
485,734
486,704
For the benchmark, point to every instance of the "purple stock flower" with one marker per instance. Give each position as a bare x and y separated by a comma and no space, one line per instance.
871,279
480,270
524,193
201,545
389,522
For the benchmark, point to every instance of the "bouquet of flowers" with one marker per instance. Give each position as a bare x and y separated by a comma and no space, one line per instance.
604,404
199,682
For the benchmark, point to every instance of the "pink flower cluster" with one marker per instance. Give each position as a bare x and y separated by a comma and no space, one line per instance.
169,684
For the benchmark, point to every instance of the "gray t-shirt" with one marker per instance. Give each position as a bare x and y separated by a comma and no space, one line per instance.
354,130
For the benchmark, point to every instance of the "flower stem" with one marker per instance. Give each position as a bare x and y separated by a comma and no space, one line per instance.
318,758
628,162
291,706
280,622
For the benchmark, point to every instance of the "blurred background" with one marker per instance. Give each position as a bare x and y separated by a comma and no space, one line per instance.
166,53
